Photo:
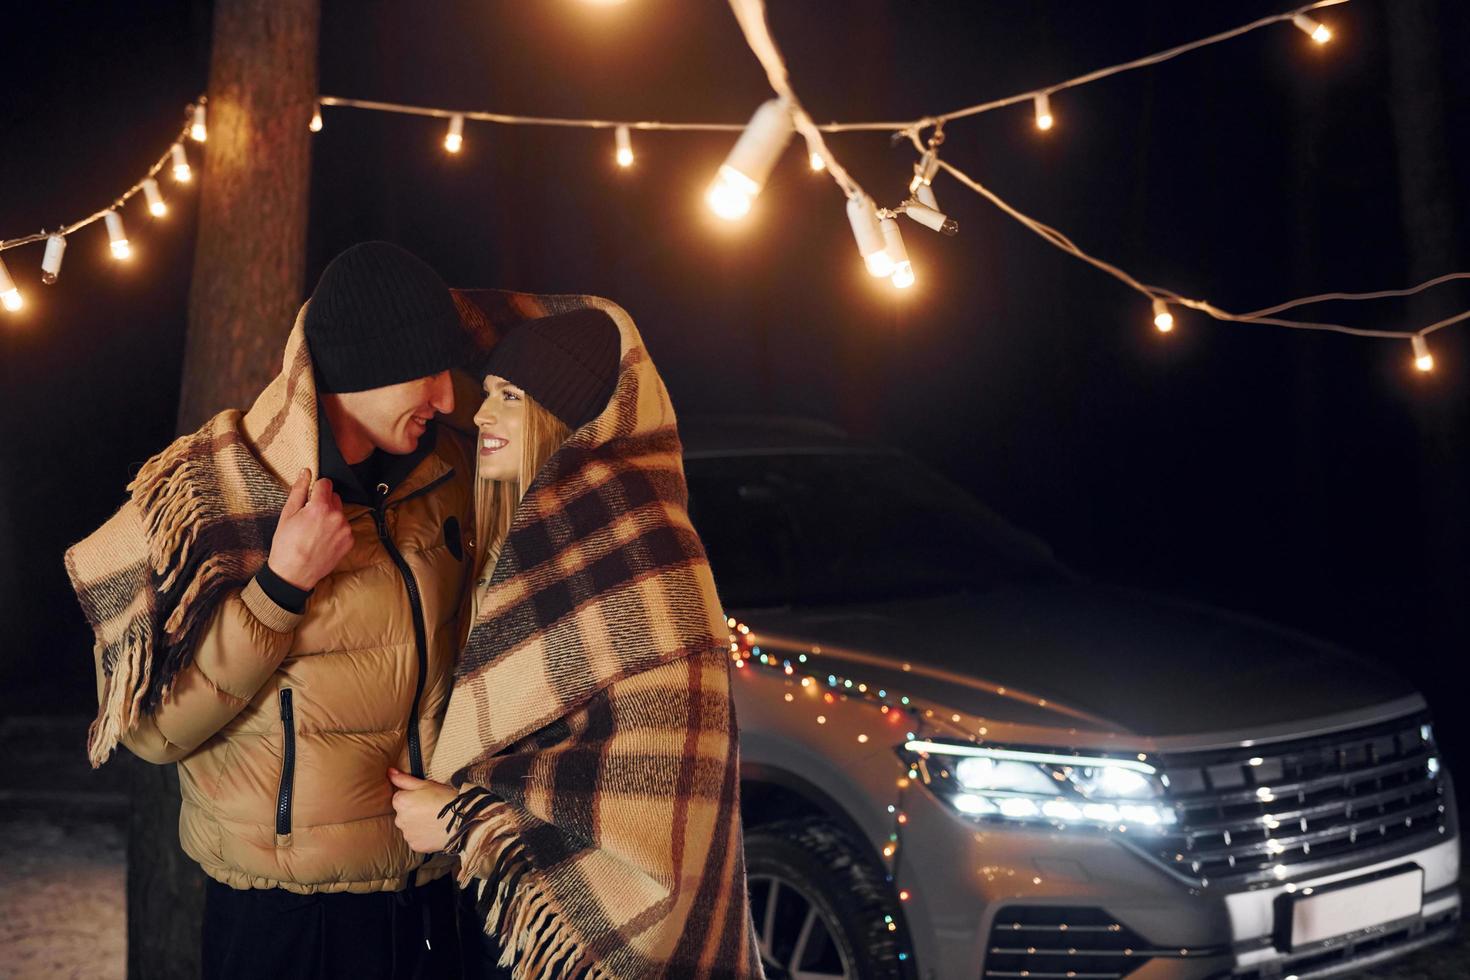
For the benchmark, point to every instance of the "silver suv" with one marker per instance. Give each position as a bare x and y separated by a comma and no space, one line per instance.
962,761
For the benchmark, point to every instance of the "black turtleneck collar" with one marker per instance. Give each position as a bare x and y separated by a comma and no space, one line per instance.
362,483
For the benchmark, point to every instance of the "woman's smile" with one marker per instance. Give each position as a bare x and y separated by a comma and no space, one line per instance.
489,445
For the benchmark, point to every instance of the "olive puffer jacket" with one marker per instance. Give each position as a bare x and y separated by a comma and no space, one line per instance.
284,725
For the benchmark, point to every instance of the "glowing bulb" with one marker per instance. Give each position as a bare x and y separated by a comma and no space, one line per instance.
1163,319
196,129
1423,360
750,161
316,119
182,173
454,139
1044,118
9,294
862,214
1312,29
624,142
903,271
924,171
156,207
817,163
930,217
51,261
118,237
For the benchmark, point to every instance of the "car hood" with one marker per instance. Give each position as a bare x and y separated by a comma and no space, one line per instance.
1079,656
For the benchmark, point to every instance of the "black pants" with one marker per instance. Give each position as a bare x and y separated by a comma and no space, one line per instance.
276,935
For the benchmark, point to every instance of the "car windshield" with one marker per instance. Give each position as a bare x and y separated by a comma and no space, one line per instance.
830,528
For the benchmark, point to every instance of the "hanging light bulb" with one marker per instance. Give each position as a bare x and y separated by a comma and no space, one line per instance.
156,207
196,129
1316,31
924,194
862,214
814,156
1044,118
750,161
1163,319
9,294
924,170
118,237
624,141
182,173
1423,360
454,139
903,270
51,260
316,119
931,217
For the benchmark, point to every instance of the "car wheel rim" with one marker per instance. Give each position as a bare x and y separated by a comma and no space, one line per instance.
797,939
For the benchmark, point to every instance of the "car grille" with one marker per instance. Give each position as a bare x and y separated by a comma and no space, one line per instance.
1055,942
1273,812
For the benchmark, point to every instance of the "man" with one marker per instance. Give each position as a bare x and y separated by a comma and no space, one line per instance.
287,655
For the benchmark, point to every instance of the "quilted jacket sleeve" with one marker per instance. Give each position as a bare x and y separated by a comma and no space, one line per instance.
243,645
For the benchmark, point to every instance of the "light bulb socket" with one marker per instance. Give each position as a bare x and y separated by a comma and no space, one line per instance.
862,214
51,259
755,153
156,206
931,217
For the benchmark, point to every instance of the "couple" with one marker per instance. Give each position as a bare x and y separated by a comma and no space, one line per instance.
431,614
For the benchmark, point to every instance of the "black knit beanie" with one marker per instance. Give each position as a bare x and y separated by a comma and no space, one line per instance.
380,316
567,362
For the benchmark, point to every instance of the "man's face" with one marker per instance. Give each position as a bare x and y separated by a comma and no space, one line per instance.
393,418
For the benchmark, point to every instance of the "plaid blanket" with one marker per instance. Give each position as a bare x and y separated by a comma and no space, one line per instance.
591,730
197,524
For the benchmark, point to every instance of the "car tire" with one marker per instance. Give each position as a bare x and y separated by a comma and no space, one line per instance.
826,886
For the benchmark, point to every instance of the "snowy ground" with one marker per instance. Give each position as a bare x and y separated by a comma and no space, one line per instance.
62,859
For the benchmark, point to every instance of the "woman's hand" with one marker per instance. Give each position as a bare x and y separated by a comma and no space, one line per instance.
416,804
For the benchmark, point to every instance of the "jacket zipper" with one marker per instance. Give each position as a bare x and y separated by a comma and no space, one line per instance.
288,764
420,631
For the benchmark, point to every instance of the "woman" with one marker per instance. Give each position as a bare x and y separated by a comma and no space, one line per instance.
587,772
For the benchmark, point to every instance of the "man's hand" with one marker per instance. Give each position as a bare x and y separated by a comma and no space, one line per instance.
312,536
416,805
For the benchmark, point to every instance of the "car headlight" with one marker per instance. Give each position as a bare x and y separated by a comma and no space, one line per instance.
1046,787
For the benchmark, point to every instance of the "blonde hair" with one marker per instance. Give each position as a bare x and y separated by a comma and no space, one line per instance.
495,504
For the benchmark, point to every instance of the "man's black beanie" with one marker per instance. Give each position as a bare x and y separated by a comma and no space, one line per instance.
568,363
380,316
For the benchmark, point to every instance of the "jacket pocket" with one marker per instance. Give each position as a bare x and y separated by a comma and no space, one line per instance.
288,766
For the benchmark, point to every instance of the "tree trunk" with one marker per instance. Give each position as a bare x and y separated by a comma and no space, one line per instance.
249,270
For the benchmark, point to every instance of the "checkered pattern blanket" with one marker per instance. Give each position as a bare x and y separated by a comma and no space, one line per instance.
591,729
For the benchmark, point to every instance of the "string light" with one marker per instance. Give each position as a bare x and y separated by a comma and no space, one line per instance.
1423,360
862,214
197,132
1044,118
814,157
316,119
930,216
1311,28
924,170
903,270
51,260
9,294
1163,319
156,207
116,236
750,161
182,173
454,139
624,141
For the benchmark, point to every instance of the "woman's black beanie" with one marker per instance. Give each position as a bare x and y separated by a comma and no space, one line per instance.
379,316
568,363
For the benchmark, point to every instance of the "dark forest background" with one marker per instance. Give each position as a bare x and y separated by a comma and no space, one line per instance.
1314,480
